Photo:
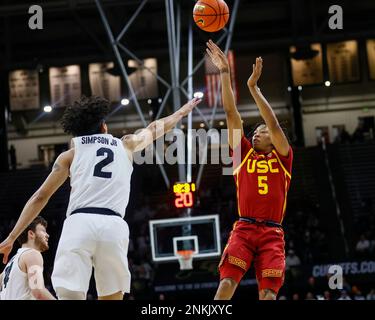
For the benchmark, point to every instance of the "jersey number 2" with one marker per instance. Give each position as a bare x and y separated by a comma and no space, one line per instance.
105,162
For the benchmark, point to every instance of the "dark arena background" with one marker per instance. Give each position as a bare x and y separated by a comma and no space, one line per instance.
148,58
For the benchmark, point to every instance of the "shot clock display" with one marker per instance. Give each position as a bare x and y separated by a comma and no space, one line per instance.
184,194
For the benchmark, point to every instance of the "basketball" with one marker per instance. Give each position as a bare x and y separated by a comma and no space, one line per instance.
211,15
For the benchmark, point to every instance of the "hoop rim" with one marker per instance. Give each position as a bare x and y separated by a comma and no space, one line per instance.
185,253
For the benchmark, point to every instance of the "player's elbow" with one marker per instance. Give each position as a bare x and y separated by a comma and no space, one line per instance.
39,294
230,109
40,196
274,127
233,115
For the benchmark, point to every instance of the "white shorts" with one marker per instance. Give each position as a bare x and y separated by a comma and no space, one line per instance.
93,240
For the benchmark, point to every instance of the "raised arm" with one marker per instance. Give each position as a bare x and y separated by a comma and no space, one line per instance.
38,200
278,138
32,260
156,129
234,121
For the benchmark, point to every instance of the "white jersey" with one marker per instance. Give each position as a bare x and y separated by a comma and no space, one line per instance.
15,284
99,174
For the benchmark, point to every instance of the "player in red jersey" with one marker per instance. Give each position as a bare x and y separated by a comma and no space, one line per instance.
262,173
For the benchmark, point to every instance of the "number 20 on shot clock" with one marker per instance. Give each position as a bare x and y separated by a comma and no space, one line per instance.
184,194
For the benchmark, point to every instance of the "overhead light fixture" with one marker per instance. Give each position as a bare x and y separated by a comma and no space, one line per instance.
198,95
125,102
47,109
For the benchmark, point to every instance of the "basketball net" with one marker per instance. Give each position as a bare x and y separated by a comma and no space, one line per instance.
185,258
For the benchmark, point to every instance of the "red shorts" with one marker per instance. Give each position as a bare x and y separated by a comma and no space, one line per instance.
256,243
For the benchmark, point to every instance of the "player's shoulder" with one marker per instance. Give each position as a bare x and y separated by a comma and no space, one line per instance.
31,252
66,156
31,256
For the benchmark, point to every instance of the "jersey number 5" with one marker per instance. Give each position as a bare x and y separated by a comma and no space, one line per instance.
262,185
105,162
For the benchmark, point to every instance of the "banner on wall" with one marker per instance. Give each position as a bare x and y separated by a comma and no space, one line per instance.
65,85
371,57
143,80
343,62
308,71
104,84
24,90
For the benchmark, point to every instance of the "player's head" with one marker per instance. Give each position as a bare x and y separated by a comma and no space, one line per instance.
35,234
260,137
86,116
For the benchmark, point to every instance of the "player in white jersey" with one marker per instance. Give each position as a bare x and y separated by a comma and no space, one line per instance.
94,233
22,278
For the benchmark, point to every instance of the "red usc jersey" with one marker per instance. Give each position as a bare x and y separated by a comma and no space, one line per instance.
262,182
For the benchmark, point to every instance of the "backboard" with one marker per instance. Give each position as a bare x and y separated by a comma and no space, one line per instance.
200,234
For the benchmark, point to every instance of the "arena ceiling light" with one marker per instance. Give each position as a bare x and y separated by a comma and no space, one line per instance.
125,102
198,95
327,83
47,108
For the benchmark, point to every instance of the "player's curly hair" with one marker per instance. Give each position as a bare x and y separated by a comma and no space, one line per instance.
85,116
253,129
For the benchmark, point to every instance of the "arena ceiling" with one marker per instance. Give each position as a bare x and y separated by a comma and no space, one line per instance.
73,30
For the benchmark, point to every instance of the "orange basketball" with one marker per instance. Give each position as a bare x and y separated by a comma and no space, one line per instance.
211,15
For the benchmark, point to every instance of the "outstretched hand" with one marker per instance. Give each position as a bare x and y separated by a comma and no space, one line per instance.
217,56
257,72
5,249
189,106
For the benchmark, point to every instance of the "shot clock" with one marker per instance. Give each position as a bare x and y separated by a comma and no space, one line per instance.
184,194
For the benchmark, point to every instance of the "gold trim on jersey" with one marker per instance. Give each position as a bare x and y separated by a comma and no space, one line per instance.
243,161
238,196
286,194
281,164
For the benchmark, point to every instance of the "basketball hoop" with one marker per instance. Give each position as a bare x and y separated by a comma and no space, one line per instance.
185,258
